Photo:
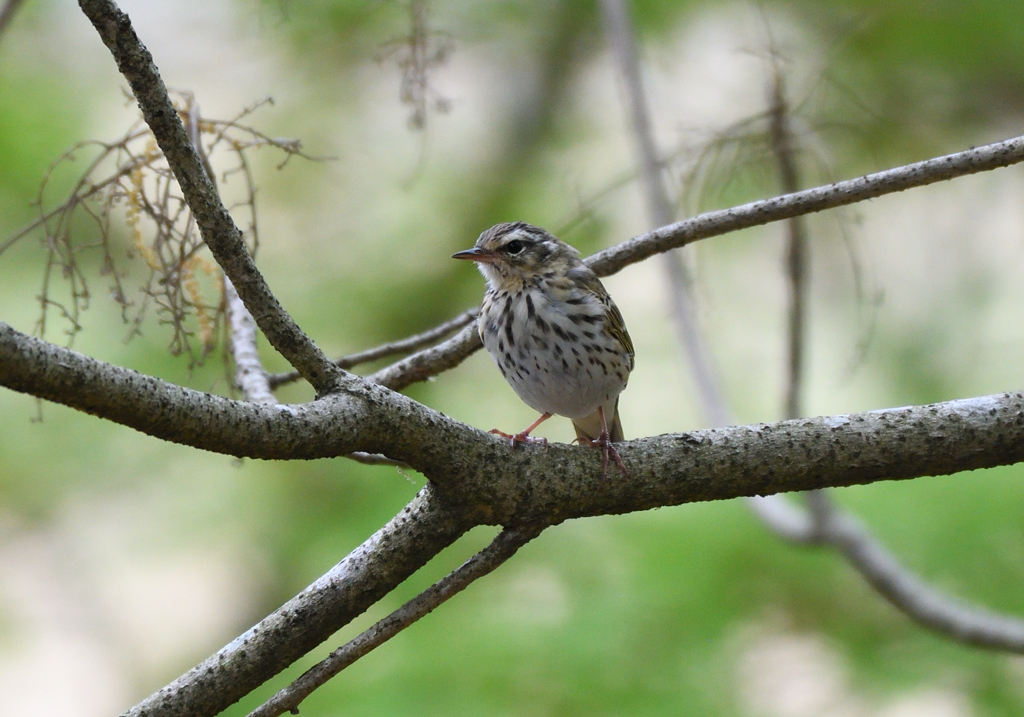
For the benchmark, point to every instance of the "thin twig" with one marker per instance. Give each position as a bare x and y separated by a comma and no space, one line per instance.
402,346
429,362
503,547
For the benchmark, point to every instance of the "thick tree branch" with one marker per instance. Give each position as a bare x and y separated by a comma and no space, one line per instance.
335,426
424,528
486,561
219,231
536,484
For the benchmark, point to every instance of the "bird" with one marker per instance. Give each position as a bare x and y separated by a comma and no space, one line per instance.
554,333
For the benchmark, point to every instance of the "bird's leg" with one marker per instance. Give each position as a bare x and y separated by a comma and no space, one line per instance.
604,442
524,436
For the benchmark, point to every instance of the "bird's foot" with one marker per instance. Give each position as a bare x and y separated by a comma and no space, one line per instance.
604,442
523,437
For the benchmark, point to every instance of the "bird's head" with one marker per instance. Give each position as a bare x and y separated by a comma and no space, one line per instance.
514,254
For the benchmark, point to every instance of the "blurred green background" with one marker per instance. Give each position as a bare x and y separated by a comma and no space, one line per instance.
124,560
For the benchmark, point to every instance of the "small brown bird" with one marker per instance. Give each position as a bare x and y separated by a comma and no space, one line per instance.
553,332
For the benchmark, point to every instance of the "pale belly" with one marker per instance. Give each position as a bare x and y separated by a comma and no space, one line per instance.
555,366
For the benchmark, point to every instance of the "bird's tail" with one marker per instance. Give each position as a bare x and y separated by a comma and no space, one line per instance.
589,427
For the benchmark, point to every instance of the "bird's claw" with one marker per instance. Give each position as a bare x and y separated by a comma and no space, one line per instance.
604,442
523,437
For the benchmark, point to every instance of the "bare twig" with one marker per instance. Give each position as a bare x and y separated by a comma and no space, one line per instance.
374,459
503,547
402,346
219,231
837,194
429,362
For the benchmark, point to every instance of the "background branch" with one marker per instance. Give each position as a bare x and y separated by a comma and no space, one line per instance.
7,13
922,603
824,523
660,209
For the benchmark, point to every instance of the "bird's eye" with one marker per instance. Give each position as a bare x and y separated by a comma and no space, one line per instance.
514,247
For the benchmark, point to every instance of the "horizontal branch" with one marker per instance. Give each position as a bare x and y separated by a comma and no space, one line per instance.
535,484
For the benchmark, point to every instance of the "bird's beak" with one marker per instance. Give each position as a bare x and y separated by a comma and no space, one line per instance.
476,254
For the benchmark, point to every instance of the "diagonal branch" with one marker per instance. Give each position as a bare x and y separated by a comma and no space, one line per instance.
424,528
919,601
429,362
219,231
837,194
486,561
